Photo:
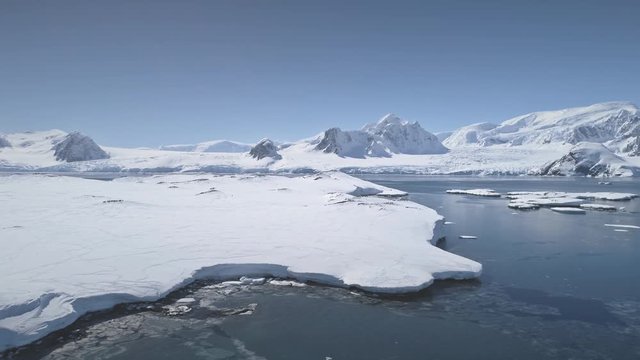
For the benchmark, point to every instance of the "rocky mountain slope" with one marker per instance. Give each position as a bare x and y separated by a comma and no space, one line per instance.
391,135
265,148
78,147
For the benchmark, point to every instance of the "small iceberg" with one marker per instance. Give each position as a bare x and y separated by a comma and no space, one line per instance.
475,192
600,207
568,210
623,226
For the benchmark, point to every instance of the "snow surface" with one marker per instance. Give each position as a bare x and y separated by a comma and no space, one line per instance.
72,245
219,146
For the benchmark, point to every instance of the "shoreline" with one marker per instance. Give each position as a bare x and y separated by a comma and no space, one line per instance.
74,330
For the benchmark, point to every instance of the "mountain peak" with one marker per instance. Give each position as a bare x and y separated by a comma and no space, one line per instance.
78,147
265,148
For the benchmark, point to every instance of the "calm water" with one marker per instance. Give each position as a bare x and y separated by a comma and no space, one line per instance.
554,286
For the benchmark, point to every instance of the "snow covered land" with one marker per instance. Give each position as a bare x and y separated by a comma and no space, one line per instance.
73,245
597,140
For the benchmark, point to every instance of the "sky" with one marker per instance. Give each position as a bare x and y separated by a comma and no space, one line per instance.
153,72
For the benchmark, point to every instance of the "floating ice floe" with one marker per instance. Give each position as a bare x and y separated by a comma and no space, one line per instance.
529,200
611,196
475,192
568,210
65,253
600,207
522,205
291,283
187,300
623,226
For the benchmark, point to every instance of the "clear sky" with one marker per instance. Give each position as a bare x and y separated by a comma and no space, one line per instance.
146,73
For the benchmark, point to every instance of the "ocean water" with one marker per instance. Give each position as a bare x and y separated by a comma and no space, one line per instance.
554,286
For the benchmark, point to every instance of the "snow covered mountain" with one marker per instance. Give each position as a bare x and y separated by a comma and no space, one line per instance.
391,135
33,150
221,146
524,145
611,123
591,159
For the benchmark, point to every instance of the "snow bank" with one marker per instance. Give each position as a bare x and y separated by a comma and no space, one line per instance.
72,245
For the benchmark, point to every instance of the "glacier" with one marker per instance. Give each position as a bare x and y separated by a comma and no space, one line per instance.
72,245
214,146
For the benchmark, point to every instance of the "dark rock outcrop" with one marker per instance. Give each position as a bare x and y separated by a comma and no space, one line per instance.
4,143
78,147
265,148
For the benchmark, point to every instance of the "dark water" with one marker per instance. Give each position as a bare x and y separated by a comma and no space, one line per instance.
554,286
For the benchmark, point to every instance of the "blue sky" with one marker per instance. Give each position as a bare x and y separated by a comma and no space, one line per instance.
146,73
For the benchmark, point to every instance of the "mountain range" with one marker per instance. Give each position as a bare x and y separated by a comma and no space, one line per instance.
600,139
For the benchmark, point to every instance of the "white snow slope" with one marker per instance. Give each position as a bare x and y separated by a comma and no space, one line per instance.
611,123
72,245
222,146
